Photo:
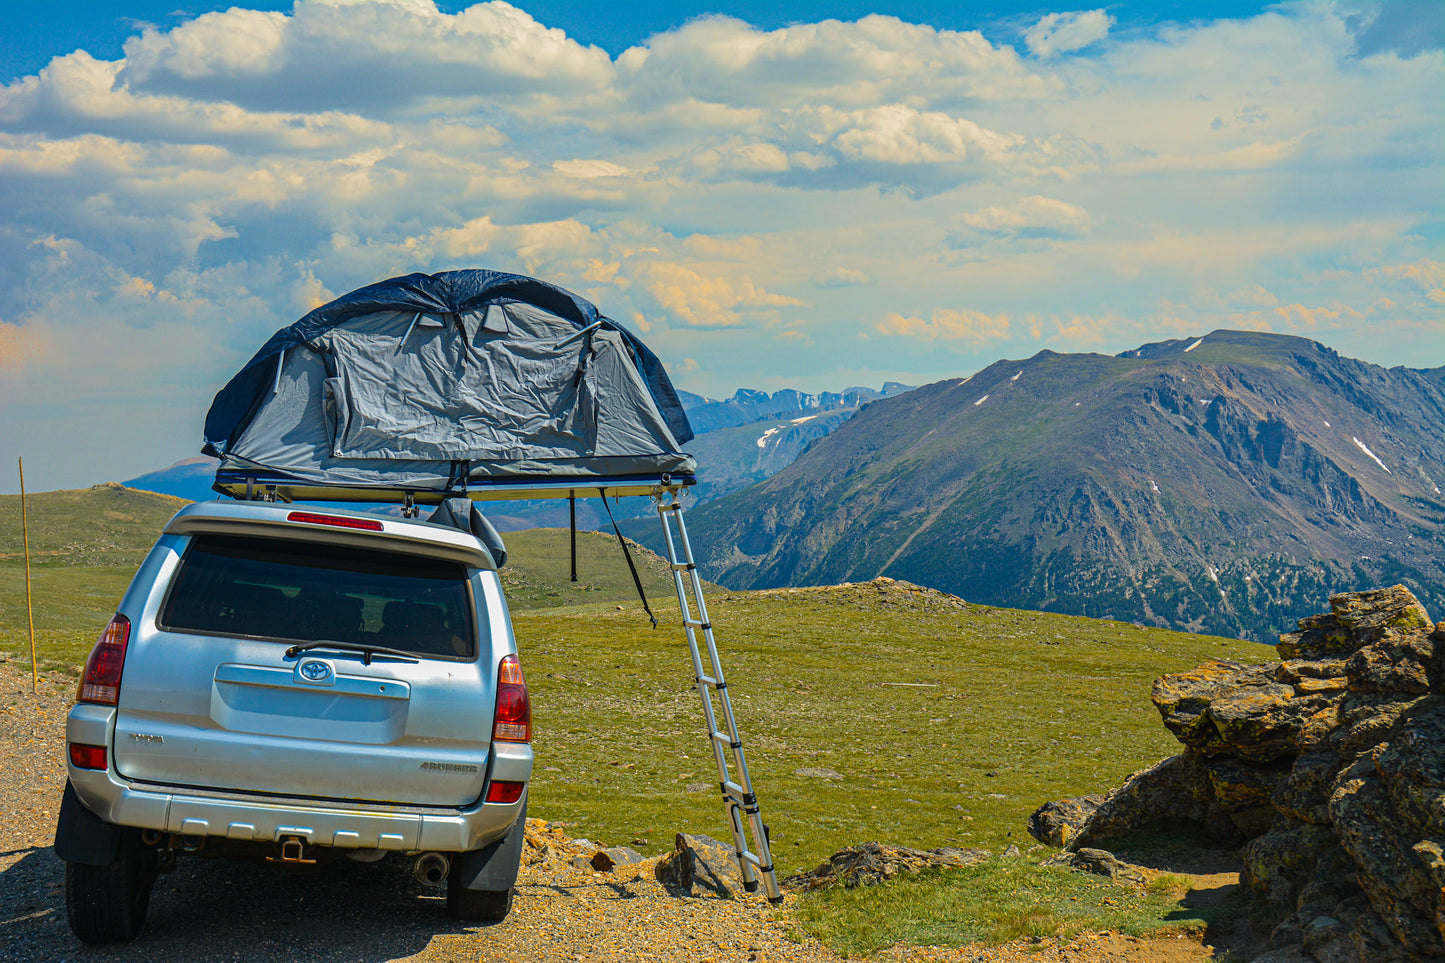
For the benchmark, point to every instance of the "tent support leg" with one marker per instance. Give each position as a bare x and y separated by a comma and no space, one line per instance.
739,801
572,511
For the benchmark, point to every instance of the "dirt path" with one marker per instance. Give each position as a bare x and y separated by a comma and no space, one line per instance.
215,910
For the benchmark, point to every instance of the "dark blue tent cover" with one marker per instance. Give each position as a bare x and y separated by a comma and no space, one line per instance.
434,383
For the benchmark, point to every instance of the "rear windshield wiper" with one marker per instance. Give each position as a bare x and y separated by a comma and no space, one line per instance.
367,651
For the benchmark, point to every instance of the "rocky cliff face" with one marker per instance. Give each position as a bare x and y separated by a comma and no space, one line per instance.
1327,766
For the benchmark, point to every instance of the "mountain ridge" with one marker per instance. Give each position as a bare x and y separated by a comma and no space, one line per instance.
1218,484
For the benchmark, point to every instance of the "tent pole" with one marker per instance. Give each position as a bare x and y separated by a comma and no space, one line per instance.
29,611
572,509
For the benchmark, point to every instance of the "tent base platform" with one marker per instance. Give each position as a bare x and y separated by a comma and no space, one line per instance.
264,486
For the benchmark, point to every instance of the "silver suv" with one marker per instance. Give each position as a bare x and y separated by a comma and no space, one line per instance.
299,684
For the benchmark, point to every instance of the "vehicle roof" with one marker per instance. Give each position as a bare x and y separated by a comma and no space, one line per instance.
275,520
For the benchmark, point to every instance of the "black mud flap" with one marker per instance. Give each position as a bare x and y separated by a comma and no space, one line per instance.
494,866
83,837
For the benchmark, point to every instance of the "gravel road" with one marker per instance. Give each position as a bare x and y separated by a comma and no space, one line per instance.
217,910
214,910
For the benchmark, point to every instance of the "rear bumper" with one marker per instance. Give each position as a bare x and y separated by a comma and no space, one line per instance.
250,819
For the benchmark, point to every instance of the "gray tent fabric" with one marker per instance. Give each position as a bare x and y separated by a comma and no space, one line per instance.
462,513
508,390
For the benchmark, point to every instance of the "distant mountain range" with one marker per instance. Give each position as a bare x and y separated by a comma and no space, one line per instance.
740,441
1221,484
746,406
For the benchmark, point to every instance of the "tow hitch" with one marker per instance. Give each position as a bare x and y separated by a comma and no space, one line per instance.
293,851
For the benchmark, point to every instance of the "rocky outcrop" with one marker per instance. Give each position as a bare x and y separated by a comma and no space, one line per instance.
1327,767
874,862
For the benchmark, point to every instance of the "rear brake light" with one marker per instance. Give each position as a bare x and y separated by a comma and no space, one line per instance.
339,521
505,791
513,719
87,757
101,682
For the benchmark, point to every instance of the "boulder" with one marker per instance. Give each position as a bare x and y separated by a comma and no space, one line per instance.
875,862
1319,637
607,860
1412,767
700,866
1183,699
1239,784
1360,936
1366,721
1297,671
1055,823
1100,862
1397,664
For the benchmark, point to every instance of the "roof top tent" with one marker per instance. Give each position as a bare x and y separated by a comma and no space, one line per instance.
467,382
424,388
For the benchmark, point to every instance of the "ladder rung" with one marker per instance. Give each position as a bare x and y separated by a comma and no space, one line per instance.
697,624
727,740
739,796
751,857
683,566
711,683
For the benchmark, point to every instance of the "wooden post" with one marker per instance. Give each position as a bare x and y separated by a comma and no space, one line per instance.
29,610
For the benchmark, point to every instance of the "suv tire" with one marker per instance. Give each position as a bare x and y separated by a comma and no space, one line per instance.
477,905
107,904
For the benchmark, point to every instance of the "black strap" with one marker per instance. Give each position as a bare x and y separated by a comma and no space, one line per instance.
457,476
628,555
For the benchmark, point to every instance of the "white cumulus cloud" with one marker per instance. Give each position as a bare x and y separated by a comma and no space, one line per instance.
1058,33
821,188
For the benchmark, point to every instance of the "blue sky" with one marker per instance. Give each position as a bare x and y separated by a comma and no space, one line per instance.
35,32
772,195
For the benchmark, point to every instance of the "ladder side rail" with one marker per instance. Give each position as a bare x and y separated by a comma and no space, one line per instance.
697,670
735,820
705,624
750,802
712,652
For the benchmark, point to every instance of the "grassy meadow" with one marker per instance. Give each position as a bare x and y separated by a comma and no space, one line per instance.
869,711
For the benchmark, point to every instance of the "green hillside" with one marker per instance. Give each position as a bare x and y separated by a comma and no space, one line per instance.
84,547
870,711
945,724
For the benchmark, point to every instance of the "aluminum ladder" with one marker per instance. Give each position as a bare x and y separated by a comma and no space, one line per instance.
727,746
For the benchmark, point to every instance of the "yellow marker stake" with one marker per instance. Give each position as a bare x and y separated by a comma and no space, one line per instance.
29,611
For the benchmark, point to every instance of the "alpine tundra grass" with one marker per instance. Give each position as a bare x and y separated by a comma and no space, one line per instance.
874,711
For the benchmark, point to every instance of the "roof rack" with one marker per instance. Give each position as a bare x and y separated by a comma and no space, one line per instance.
264,485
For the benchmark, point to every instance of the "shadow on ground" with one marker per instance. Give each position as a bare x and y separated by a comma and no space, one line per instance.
1216,895
216,909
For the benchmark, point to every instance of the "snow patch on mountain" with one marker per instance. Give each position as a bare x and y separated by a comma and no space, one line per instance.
1366,449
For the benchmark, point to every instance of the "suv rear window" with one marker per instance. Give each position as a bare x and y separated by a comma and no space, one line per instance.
302,591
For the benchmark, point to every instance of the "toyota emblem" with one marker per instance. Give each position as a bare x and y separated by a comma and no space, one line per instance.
315,671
